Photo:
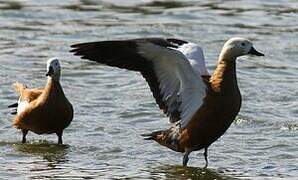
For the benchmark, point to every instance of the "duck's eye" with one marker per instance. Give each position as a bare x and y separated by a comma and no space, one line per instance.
242,44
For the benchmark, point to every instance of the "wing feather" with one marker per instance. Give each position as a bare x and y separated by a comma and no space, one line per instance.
176,87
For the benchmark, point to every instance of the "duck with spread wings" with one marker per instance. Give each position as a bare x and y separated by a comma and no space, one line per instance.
200,106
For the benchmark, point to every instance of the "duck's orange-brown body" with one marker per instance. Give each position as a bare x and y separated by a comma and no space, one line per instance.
220,107
48,110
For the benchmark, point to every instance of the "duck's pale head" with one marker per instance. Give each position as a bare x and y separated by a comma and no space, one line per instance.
53,68
236,47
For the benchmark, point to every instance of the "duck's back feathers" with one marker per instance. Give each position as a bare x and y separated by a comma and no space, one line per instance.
25,93
194,54
26,96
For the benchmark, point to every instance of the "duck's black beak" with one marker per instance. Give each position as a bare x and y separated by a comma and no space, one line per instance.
253,51
50,71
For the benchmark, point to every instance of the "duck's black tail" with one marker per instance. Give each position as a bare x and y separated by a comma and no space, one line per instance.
15,106
166,138
152,136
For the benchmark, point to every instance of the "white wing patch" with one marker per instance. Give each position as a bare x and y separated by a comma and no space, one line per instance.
181,87
195,56
22,105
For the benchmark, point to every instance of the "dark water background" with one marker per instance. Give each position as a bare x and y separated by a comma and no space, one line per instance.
113,107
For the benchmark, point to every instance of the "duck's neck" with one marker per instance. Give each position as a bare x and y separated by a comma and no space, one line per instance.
53,87
52,81
224,78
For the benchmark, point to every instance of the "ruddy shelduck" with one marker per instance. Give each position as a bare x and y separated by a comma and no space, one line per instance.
45,110
200,107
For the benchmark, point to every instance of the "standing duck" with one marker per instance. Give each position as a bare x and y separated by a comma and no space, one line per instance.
43,111
200,107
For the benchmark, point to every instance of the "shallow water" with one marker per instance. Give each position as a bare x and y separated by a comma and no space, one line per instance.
113,107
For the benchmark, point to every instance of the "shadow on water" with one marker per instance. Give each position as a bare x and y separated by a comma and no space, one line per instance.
166,4
10,5
181,172
152,7
53,153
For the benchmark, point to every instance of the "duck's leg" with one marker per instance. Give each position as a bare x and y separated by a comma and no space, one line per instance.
25,132
185,157
59,134
206,157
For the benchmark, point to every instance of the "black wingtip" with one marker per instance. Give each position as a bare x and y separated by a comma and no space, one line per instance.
73,45
74,49
83,44
80,44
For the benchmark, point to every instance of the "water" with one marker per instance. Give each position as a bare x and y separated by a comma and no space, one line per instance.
113,107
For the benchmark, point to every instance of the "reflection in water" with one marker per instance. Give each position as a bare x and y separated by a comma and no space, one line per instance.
53,153
181,172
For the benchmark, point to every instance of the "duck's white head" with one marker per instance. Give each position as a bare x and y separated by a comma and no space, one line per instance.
53,68
236,47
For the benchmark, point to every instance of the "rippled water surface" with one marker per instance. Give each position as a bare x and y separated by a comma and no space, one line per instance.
113,107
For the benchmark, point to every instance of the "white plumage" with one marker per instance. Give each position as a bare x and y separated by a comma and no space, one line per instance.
195,56
181,85
22,105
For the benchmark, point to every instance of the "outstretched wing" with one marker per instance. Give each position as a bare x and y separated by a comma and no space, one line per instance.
194,54
177,89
